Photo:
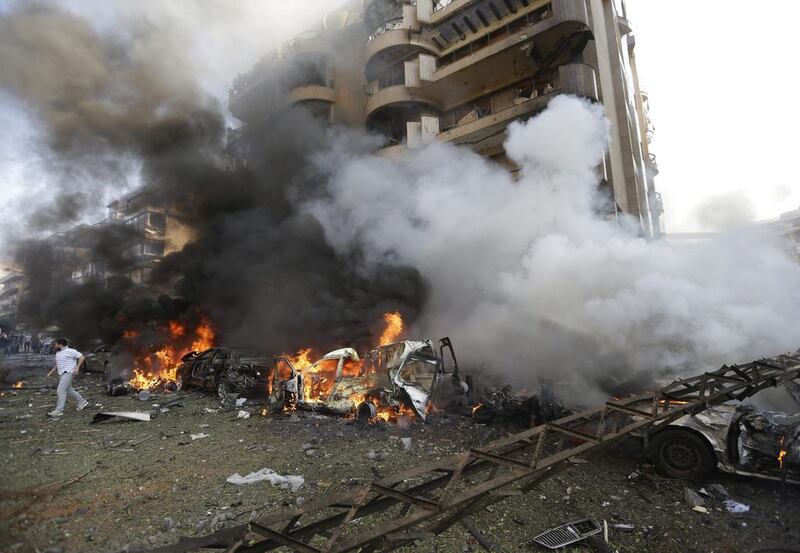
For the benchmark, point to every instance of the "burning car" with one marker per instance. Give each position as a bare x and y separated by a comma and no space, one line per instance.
401,377
735,439
222,370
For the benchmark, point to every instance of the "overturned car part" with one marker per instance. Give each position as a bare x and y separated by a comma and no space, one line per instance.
569,533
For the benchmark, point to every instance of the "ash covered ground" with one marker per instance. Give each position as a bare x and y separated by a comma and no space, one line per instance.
143,484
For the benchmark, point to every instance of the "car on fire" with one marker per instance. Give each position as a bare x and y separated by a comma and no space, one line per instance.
738,439
405,375
222,370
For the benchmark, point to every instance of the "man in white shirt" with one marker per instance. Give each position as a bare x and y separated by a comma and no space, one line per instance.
68,363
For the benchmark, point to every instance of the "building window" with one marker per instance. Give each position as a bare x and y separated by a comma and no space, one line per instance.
157,220
153,247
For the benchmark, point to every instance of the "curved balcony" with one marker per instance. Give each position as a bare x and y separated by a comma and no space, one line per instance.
578,79
309,42
399,96
391,47
312,92
379,12
548,41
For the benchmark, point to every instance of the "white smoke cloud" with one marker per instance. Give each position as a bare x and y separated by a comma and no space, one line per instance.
527,278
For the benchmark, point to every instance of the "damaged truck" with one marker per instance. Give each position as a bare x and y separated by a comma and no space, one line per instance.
405,377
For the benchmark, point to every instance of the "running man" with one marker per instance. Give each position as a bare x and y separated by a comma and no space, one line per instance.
68,363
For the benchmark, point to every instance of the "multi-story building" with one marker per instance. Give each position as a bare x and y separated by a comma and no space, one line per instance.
11,288
159,231
460,71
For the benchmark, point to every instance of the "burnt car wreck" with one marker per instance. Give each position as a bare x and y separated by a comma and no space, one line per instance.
734,439
405,377
222,370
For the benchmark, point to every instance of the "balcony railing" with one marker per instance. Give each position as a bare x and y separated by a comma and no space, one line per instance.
483,107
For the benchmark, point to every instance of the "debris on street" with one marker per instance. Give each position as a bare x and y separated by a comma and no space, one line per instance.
289,482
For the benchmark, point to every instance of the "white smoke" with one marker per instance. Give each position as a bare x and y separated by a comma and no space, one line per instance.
527,278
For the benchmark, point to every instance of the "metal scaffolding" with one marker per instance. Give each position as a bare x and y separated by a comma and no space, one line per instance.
424,501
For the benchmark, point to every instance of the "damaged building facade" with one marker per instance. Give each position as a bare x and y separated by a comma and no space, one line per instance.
461,71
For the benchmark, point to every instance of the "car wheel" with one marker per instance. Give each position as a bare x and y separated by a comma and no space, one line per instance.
227,397
482,414
679,453
366,411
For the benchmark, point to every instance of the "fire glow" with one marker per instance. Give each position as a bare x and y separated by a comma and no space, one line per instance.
781,454
19,384
160,368
319,378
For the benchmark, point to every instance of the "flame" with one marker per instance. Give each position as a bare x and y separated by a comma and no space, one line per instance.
394,328
160,368
319,378
476,407
781,454
176,330
129,334
205,336
18,384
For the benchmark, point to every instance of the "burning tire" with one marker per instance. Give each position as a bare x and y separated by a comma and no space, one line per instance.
679,453
366,411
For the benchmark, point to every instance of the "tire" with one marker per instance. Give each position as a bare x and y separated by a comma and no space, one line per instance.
226,395
366,411
483,414
680,453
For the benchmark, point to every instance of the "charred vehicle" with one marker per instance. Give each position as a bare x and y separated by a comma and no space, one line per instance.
734,439
98,360
407,376
222,370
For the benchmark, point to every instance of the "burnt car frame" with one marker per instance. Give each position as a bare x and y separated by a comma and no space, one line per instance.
222,370
736,439
98,360
408,373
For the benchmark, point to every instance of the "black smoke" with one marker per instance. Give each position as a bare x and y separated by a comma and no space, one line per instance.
260,270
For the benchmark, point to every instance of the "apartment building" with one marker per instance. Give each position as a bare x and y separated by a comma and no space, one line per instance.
460,71
11,288
158,231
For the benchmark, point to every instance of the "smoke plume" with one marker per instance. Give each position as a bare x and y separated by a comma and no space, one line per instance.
126,107
528,279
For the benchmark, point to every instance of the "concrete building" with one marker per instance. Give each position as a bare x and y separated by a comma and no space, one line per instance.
12,285
160,231
461,71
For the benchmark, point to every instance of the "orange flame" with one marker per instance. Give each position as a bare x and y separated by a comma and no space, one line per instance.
781,454
394,328
176,330
161,367
205,336
19,384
